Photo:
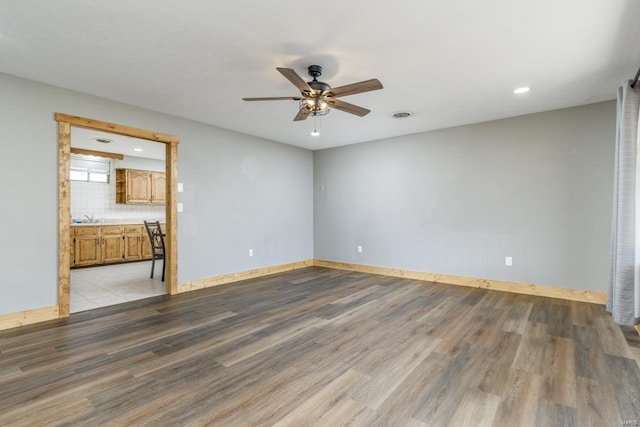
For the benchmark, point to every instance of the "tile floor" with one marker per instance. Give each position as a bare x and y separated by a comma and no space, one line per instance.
95,287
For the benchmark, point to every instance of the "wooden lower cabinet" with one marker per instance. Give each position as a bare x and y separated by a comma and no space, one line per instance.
107,244
87,250
146,246
72,246
132,242
112,244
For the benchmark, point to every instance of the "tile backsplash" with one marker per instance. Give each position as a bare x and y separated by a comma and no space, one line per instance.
98,199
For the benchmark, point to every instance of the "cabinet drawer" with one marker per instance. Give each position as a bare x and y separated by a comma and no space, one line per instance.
112,229
132,229
86,230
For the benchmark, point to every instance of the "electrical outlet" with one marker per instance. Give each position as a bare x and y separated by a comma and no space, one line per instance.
250,252
508,261
359,249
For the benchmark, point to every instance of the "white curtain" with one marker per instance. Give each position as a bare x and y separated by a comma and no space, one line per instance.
623,300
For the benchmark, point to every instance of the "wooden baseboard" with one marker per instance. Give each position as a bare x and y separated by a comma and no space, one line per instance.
497,285
242,275
27,317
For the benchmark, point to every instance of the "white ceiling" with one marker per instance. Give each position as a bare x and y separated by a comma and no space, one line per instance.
120,144
448,63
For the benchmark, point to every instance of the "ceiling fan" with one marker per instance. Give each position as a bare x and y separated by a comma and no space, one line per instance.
317,98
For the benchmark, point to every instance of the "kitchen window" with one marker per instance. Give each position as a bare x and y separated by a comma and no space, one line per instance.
88,169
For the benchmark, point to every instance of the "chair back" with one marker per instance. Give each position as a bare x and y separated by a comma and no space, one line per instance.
156,237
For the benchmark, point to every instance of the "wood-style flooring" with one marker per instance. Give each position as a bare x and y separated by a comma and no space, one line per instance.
325,347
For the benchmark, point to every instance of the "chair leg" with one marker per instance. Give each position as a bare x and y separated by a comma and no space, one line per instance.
164,264
153,265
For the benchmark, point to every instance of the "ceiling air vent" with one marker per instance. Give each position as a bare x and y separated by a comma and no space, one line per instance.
400,115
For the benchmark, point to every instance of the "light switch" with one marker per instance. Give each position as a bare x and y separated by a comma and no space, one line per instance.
180,187
180,207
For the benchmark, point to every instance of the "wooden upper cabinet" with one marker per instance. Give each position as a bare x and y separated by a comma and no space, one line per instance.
140,187
158,188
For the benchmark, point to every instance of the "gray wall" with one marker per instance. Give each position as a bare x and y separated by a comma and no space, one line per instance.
537,188
240,192
457,201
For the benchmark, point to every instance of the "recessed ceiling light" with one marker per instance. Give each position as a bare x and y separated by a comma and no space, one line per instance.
137,149
520,90
400,115
103,140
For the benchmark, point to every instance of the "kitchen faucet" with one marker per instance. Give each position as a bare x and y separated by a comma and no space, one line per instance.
90,219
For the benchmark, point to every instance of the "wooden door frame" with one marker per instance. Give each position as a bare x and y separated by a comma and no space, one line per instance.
65,123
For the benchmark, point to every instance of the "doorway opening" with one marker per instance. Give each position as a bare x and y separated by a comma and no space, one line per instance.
66,125
110,247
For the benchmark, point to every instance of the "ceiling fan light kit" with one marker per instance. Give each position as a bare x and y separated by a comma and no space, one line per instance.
316,106
318,98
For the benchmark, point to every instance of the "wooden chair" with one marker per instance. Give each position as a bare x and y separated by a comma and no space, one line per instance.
156,238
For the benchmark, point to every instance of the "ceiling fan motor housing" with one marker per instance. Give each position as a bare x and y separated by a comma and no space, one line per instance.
321,86
315,71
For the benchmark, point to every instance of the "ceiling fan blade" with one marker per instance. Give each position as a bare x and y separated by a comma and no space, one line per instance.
349,108
365,86
274,98
294,78
302,115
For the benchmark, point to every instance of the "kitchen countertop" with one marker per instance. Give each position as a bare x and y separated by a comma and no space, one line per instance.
113,222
